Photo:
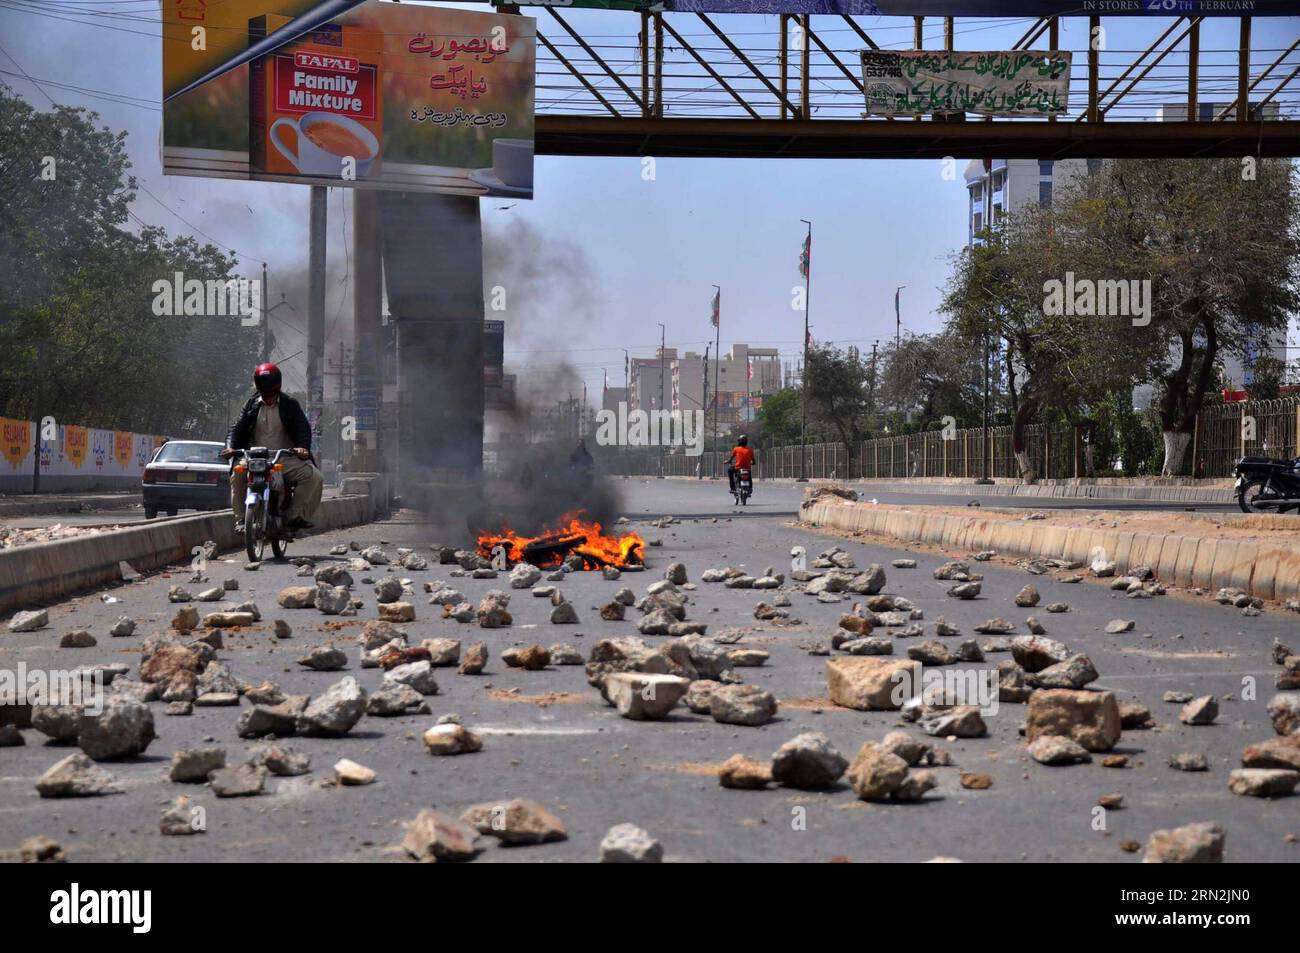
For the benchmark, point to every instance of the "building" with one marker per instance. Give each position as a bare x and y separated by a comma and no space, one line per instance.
612,397
743,378
1207,112
649,378
996,188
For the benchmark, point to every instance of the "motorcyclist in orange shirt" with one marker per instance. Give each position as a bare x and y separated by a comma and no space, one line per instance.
741,458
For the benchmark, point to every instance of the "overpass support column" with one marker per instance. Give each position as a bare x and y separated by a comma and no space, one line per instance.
433,272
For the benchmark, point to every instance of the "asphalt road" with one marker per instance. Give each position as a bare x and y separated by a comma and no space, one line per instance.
595,769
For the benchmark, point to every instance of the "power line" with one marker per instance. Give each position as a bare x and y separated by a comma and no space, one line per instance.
24,72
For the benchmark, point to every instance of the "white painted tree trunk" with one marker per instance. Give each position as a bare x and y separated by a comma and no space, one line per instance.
1176,445
1026,468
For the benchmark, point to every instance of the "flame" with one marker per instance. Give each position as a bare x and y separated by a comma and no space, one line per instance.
573,535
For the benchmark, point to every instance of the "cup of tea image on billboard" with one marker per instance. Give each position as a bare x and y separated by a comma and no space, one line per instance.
323,142
512,168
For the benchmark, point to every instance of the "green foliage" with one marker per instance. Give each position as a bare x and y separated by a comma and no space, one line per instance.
778,418
838,390
77,323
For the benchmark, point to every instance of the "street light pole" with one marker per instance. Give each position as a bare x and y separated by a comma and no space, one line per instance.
898,319
705,410
717,362
803,378
987,453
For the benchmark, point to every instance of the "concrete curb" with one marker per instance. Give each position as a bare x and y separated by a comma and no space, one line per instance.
1221,492
1262,568
41,572
1155,493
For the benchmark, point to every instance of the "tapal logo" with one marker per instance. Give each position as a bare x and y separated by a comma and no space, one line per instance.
99,907
344,64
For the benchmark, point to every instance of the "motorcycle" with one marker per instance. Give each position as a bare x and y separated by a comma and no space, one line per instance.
1265,485
744,486
266,502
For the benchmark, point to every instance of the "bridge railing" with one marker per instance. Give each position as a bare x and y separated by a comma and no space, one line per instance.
690,65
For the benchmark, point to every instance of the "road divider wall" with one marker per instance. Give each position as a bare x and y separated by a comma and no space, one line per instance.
1265,568
41,572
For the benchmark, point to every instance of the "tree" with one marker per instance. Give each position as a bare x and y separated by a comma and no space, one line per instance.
1218,251
78,328
1268,374
933,376
778,417
837,392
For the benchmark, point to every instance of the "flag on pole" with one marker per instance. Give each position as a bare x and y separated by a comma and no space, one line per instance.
749,369
717,307
805,257
897,293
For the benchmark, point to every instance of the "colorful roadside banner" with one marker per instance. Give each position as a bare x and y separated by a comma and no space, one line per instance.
361,94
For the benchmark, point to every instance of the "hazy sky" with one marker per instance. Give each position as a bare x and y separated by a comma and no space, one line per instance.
649,251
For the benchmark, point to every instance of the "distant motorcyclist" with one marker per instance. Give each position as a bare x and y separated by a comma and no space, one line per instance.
741,458
276,421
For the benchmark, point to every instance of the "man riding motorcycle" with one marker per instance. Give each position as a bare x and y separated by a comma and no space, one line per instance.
741,458
276,421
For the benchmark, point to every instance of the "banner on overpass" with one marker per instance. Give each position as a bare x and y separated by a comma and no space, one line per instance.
947,8
1010,83
349,93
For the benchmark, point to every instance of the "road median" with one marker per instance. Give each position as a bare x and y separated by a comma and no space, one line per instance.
1258,554
41,572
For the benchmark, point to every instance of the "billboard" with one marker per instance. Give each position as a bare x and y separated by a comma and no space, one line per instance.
342,92
1008,83
948,8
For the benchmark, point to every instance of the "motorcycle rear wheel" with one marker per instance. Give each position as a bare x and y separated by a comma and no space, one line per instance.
1249,493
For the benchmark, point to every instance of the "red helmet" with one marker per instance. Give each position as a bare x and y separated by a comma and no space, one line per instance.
266,378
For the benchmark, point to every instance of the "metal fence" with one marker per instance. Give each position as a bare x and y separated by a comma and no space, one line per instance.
1223,434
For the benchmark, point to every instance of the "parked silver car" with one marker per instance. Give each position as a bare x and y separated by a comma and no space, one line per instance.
186,475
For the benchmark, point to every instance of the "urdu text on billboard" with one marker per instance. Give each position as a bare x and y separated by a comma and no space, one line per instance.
950,8
362,94
1005,83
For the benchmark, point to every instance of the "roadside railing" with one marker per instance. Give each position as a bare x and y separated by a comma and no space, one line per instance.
1223,433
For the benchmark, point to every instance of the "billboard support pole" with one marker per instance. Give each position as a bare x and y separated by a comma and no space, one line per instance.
367,331
316,311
